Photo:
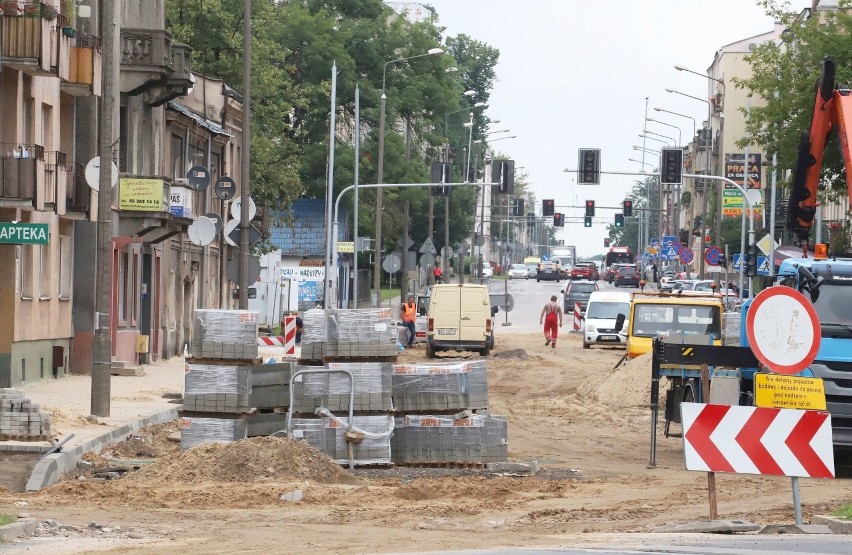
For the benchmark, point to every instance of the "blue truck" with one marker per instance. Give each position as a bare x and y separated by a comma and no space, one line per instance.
827,283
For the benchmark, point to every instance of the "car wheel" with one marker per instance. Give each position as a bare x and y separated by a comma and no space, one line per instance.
586,345
484,352
537,280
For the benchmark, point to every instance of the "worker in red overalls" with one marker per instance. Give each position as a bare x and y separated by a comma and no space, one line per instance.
550,314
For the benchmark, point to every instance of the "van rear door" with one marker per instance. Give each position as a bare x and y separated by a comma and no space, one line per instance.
474,312
445,312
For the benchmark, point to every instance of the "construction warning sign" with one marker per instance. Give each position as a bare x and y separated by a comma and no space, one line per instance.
788,392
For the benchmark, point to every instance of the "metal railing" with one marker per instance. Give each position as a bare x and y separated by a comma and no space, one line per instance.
21,150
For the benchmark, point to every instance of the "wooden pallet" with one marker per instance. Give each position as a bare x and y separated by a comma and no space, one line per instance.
362,359
225,361
14,437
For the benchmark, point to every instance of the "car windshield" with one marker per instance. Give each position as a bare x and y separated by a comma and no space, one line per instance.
583,288
650,320
833,304
609,311
626,271
518,267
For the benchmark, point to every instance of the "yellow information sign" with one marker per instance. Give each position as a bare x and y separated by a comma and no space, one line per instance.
140,194
345,246
788,392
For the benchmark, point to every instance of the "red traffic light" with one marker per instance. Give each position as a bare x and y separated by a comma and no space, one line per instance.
628,208
548,207
590,208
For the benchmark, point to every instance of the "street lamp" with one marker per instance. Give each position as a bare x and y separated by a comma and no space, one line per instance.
446,115
681,115
640,162
679,136
659,135
646,150
654,139
377,266
704,191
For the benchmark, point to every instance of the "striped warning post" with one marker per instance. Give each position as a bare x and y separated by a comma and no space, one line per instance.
578,315
270,340
289,335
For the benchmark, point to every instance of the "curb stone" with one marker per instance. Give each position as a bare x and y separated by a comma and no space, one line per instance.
19,529
837,525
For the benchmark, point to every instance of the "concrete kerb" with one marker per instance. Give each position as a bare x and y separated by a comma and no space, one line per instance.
52,467
21,528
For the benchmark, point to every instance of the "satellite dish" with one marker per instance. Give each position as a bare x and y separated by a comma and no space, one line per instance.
229,227
216,220
236,209
225,188
198,178
93,173
392,263
202,231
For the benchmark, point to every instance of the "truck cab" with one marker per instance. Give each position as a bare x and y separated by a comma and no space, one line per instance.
693,318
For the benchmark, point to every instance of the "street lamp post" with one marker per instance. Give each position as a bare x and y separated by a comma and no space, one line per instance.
482,209
377,264
720,195
681,115
679,136
706,182
643,136
648,131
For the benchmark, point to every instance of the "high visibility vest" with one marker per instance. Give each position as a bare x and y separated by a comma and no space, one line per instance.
409,312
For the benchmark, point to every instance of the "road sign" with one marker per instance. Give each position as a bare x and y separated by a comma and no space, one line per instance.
447,252
254,234
783,330
24,233
504,300
757,440
392,263
677,246
762,264
788,392
686,256
428,247
766,243
670,253
668,240
713,256
427,260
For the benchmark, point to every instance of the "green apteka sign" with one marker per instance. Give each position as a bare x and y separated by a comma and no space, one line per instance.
20,233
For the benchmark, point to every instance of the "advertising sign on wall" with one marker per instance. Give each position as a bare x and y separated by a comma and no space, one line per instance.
735,170
145,195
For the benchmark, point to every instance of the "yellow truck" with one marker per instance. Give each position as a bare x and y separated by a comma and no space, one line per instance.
459,317
681,317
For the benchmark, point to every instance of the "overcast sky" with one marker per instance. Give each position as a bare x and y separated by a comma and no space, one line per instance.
575,74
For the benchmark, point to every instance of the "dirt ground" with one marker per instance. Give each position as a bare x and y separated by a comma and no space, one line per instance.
586,424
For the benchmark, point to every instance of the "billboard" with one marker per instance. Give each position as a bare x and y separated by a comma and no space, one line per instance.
735,170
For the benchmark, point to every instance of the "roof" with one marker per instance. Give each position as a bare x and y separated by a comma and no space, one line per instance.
203,122
301,230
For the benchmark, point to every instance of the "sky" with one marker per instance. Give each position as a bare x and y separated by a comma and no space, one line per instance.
576,74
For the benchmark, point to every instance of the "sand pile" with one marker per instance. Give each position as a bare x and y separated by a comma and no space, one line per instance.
248,460
147,443
628,385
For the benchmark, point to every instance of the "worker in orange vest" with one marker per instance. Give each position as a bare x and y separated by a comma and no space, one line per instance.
409,317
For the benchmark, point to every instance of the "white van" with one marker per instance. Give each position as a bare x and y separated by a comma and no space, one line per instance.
601,312
460,318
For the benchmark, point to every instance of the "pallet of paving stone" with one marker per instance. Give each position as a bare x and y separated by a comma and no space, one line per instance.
330,390
327,434
224,334
440,387
20,418
200,429
270,385
267,423
421,439
217,388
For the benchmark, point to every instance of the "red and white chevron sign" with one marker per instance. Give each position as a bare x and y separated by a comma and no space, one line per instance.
756,440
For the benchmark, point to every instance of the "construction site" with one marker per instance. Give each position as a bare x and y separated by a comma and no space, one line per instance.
359,447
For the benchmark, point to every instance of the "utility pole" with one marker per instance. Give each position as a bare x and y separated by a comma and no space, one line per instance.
102,345
246,158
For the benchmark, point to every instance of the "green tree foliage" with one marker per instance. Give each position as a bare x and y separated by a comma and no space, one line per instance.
784,75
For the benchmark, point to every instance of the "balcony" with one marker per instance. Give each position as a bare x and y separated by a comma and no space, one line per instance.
22,175
31,42
152,65
85,68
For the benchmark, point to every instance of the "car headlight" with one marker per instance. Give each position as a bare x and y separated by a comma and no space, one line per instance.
591,328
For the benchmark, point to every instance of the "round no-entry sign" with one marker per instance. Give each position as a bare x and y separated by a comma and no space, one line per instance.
783,330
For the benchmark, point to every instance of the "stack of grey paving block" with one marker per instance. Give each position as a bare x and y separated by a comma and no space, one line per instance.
199,430
424,439
731,328
327,435
314,335
372,383
20,418
270,385
217,388
224,334
431,387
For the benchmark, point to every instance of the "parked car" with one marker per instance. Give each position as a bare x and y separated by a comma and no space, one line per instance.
487,271
613,270
585,270
666,280
577,292
599,326
547,271
532,269
627,276
517,271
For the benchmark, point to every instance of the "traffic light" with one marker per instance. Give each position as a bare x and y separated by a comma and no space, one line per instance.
558,220
547,207
518,207
590,209
587,221
589,166
751,260
606,242
530,219
628,208
619,220
671,166
503,173
441,173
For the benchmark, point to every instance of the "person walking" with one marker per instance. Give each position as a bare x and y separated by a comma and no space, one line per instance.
550,314
409,318
438,274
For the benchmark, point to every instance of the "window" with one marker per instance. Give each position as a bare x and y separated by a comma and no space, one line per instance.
122,138
177,163
122,284
66,264
44,272
26,271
